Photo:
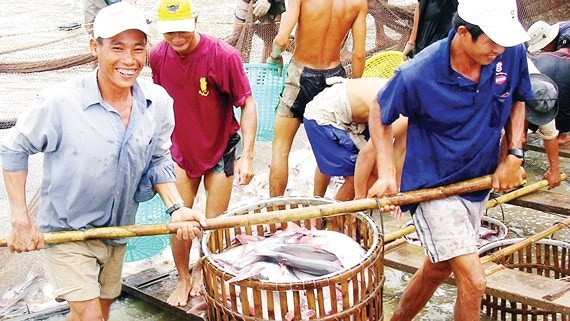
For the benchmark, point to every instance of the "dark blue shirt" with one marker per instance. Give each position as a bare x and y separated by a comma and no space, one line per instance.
454,124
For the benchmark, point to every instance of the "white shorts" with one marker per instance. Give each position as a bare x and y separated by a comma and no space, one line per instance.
449,227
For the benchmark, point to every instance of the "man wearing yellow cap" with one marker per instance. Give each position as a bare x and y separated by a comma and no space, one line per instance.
105,139
206,78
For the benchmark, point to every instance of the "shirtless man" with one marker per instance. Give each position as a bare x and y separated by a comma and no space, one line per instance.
336,124
315,58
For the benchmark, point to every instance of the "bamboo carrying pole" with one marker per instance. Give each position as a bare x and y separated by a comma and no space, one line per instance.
320,211
303,213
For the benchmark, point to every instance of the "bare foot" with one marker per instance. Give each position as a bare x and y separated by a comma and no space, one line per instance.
180,295
563,139
196,289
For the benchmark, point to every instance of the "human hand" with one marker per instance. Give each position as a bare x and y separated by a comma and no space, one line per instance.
384,187
408,50
509,174
25,237
189,230
553,177
261,7
244,171
276,61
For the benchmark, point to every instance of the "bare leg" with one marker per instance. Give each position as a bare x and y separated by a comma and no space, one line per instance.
217,202
420,289
321,183
346,191
90,310
285,129
470,278
181,248
364,166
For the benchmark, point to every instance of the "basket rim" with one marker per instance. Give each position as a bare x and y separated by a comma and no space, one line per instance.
376,237
511,241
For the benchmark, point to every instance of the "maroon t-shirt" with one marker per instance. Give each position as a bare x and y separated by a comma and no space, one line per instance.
205,85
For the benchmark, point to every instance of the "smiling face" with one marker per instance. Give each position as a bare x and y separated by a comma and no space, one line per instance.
120,58
483,50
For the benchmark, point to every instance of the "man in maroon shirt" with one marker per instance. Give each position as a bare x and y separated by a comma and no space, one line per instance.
206,78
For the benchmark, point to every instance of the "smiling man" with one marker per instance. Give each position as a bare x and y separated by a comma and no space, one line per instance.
458,94
105,139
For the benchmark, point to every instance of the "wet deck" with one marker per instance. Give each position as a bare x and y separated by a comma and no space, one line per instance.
154,286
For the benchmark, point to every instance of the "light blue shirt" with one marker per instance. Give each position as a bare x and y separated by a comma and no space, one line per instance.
96,171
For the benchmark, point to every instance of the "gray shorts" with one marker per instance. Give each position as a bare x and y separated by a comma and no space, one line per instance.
449,227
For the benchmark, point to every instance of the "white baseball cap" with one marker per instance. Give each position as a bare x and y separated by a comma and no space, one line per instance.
497,18
118,17
541,34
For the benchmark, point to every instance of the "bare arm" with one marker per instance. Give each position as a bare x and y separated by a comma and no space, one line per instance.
290,19
359,41
170,196
24,235
244,168
553,173
509,173
414,33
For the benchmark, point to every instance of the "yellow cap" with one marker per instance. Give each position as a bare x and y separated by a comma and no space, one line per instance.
175,16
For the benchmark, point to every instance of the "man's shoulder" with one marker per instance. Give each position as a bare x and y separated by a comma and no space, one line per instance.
221,46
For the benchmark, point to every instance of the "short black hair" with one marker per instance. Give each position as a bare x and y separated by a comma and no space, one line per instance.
474,30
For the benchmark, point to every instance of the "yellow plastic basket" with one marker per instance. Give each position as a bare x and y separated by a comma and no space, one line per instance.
383,64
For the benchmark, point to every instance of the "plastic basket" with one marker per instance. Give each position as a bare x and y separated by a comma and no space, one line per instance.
383,64
266,85
139,248
359,288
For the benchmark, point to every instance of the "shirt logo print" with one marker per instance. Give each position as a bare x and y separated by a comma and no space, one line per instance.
203,87
500,77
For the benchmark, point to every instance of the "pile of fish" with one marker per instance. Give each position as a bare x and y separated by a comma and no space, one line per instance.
291,255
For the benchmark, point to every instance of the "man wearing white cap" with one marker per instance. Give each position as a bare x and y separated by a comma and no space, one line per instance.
105,139
458,94
206,78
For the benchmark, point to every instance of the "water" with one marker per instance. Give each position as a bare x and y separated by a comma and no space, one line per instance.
27,22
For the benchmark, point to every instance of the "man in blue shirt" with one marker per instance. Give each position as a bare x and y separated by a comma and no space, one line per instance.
458,94
105,139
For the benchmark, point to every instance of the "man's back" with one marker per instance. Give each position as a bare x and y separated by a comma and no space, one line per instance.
322,27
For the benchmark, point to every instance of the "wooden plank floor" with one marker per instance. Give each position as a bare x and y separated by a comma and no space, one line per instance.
154,287
501,282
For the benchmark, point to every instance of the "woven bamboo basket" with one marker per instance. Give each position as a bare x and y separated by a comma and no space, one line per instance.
547,257
355,292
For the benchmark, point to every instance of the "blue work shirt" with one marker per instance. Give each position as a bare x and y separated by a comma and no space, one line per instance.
454,124
95,171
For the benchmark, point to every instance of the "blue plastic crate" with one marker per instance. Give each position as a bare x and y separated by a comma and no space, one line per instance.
266,85
150,212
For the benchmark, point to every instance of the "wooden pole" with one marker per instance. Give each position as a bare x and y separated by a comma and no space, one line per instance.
304,213
320,211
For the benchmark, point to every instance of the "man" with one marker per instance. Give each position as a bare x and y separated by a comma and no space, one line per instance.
540,114
336,124
432,21
206,78
545,37
105,139
556,65
268,12
458,94
322,27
